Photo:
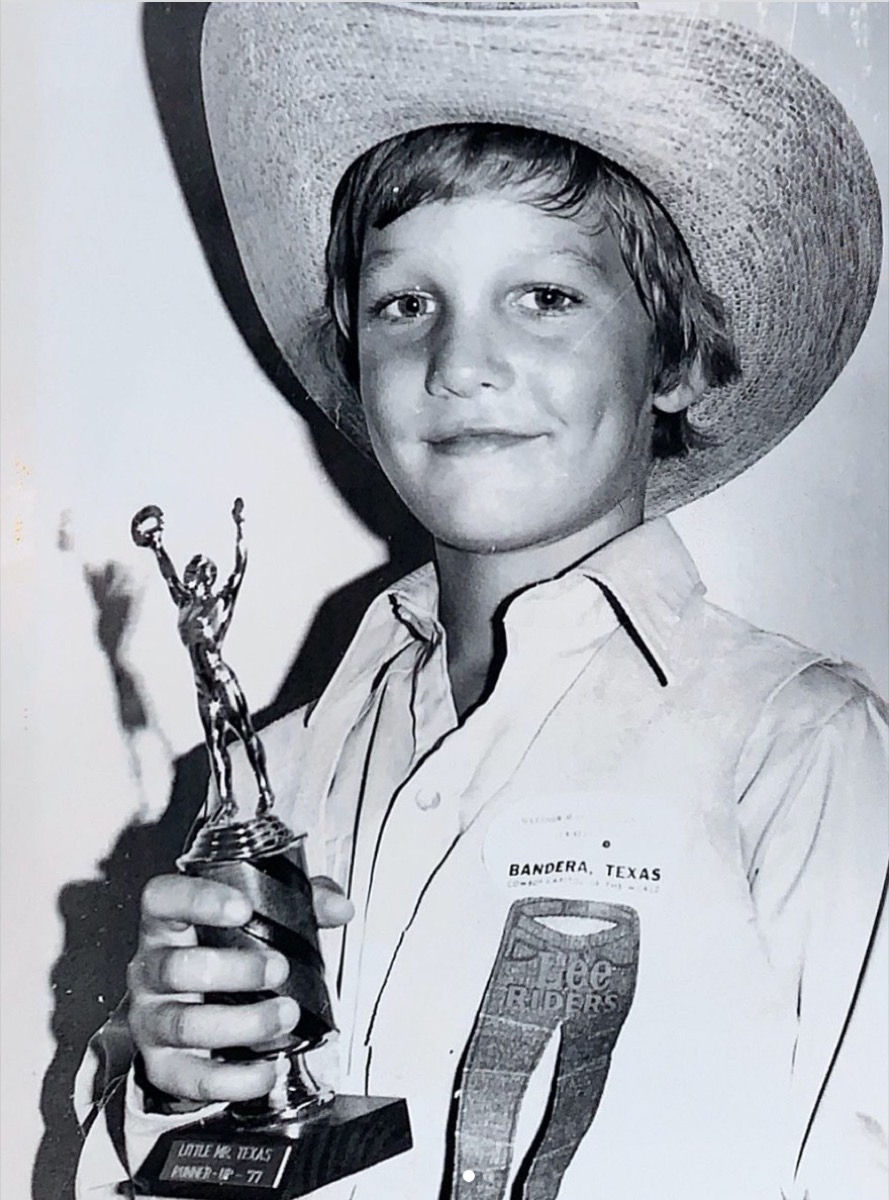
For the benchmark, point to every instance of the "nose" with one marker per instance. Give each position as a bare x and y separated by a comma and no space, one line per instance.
468,354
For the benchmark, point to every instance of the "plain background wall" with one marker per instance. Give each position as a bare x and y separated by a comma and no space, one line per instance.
125,383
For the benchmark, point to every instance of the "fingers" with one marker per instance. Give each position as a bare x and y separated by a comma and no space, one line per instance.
171,1027
165,969
169,1023
173,903
332,908
193,1077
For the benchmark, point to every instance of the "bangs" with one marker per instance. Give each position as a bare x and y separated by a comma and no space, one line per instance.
446,163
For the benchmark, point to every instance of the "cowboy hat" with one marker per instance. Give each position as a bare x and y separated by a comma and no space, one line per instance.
758,165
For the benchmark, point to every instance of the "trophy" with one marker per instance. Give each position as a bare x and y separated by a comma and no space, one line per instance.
299,1137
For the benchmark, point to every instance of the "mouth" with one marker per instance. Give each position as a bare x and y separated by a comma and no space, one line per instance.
479,441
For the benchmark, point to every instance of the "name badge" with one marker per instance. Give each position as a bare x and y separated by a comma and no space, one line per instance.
572,844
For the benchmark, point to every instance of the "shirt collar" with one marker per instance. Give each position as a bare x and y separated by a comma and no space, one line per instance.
646,574
414,602
649,577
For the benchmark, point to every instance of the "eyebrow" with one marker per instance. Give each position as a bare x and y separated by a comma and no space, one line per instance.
378,258
585,259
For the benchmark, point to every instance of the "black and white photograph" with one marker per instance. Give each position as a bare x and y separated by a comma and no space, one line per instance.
445,577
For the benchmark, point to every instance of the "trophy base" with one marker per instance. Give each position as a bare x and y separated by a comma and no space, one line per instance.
220,1158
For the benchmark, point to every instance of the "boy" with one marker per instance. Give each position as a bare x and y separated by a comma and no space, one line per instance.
615,857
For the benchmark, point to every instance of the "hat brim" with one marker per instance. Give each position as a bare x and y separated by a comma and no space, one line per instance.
759,166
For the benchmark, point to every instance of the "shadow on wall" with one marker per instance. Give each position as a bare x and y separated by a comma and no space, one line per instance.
88,979
101,916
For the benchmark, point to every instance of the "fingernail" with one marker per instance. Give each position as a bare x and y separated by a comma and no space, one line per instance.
288,1012
276,970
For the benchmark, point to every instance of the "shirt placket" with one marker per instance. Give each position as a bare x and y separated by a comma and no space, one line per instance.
394,738
472,764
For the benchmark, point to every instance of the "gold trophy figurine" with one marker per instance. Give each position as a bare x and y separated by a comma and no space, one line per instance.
204,619
300,1137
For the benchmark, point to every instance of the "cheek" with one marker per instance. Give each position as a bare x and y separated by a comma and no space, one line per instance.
392,428
594,395
602,402
390,387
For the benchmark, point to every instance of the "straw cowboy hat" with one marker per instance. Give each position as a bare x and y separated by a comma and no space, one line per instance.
758,165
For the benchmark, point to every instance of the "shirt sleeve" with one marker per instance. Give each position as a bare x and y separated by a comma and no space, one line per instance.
814,800
99,1091
118,1132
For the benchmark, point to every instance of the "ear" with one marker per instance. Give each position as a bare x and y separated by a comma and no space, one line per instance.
689,389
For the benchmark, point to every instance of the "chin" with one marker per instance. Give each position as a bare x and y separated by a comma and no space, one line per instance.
486,539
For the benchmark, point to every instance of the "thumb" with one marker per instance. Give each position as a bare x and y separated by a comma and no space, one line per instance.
332,907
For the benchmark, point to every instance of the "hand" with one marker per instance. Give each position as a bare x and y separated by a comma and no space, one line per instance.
238,512
147,527
170,1023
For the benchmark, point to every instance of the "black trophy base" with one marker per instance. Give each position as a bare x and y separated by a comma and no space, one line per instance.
219,1159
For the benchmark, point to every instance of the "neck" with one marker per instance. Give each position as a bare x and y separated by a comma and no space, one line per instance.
473,588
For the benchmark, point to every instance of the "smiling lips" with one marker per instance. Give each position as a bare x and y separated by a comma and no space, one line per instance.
479,441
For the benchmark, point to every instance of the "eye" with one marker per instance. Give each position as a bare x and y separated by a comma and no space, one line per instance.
548,299
410,306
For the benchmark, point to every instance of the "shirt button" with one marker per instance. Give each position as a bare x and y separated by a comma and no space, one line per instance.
428,800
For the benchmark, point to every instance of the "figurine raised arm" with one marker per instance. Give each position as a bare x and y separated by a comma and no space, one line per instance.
204,618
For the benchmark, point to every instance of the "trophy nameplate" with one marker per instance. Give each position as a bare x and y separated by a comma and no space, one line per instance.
221,1157
300,1137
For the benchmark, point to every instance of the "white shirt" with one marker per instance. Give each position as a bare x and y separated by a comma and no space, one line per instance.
660,844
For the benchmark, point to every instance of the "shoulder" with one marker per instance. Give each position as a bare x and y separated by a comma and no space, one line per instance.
828,720
822,730
787,677
824,695
812,786
784,699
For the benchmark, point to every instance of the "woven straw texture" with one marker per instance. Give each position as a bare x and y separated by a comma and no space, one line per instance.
757,163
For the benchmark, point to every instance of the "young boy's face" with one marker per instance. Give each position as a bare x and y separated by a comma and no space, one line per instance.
505,364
